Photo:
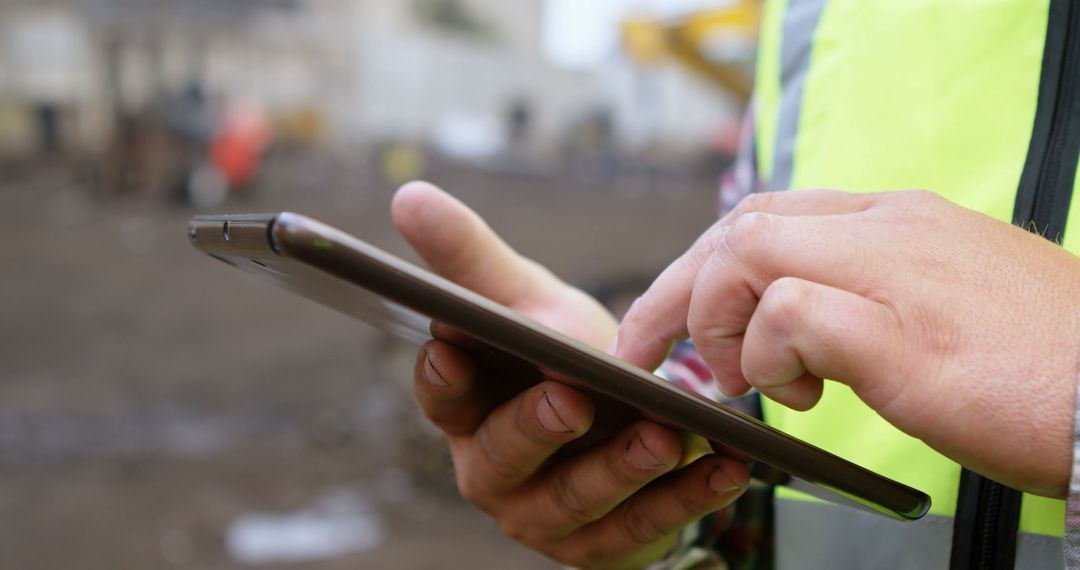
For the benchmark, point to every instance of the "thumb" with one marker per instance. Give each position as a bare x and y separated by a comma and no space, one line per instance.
457,244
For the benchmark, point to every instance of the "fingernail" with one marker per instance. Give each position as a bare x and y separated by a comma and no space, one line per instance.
613,346
720,483
549,418
639,455
432,374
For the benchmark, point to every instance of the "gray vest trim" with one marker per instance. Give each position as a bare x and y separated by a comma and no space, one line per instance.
800,23
813,535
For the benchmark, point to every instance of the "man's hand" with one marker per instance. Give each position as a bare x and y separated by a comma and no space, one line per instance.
615,505
960,330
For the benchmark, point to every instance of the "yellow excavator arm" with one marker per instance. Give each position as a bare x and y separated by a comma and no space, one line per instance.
717,44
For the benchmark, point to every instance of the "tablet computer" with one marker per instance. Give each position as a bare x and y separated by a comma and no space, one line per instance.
343,272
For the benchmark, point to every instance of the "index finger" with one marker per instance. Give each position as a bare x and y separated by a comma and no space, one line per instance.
658,318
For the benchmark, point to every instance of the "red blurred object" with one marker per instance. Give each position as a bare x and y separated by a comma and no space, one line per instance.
237,146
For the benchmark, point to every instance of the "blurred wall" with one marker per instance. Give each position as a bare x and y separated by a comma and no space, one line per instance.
354,71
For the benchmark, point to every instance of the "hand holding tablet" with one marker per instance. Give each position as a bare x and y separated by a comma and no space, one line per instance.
334,268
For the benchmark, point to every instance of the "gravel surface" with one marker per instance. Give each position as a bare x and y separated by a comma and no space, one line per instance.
159,410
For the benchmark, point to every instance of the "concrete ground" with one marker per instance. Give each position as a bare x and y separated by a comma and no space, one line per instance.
161,410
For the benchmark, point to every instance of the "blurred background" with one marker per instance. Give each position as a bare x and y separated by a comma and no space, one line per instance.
161,410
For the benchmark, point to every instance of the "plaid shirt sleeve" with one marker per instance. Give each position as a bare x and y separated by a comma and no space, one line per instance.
686,369
1072,506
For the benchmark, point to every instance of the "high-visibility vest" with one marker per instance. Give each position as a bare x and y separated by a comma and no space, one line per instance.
950,96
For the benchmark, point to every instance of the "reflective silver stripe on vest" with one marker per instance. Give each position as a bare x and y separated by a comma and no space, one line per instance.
800,23
814,535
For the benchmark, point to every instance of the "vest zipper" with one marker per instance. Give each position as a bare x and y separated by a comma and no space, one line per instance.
1042,201
988,513
991,499
987,520
1056,181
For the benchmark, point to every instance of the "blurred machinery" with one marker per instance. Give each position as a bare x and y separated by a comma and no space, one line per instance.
717,44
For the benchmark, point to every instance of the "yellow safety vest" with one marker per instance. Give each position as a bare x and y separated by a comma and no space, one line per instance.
950,96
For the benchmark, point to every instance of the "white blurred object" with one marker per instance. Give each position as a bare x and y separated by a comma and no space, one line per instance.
207,188
337,523
45,53
469,136
580,35
583,35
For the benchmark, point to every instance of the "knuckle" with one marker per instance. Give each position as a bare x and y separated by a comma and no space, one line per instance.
634,314
617,472
756,202
748,229
921,195
696,500
518,532
476,489
707,328
495,457
751,224
470,490
919,200
639,526
635,324
703,249
701,328
693,505
569,501
784,300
